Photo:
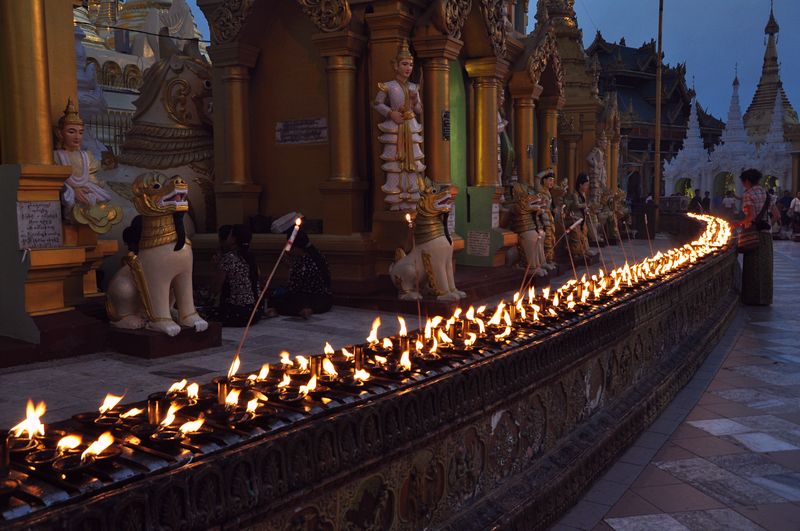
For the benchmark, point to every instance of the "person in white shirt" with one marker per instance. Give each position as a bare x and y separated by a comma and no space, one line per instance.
729,205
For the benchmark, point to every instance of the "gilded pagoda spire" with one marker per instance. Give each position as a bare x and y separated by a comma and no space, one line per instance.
759,115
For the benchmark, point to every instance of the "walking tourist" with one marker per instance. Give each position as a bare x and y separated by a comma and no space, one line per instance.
706,203
695,206
757,268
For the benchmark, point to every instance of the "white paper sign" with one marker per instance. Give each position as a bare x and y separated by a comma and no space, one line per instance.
39,224
478,242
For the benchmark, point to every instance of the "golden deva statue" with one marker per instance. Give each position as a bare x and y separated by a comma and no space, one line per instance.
398,101
84,200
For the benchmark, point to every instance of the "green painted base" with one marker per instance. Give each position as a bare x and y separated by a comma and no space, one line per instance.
485,241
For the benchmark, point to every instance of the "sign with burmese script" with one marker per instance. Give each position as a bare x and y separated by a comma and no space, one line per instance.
308,131
39,224
478,242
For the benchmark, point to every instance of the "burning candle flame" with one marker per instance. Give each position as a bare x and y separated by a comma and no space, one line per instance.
97,447
328,350
405,361
192,426
444,338
303,361
346,353
380,360
471,339
263,373
234,366
403,330
131,413
419,345
32,425
312,384
109,402
387,343
170,417
252,405
286,359
177,387
286,381
330,370
372,339
70,442
232,399
470,315
361,374
193,390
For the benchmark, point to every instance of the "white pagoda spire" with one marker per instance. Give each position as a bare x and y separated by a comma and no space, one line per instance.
735,133
693,145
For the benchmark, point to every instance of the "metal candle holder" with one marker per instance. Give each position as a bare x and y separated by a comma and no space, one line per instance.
223,387
359,357
315,365
157,407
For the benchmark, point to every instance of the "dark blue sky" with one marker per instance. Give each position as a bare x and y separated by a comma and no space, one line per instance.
711,36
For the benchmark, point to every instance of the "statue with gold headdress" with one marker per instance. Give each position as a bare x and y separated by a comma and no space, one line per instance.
398,101
84,200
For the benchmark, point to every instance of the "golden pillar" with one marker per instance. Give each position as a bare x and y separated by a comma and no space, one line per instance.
237,196
26,130
435,52
487,74
343,192
548,125
571,158
524,95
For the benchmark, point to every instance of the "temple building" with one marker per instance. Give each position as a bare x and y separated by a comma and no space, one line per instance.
631,73
295,128
766,138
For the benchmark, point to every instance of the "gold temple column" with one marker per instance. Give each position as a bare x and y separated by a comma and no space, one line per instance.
26,130
548,125
572,153
343,192
435,52
486,74
237,196
524,95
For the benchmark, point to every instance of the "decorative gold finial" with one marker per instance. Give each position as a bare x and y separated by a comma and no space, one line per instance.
71,116
403,52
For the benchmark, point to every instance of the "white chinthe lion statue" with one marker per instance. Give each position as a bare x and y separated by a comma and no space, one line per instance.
139,295
429,265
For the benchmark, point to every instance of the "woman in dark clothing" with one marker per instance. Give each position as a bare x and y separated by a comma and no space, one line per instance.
237,278
757,263
309,288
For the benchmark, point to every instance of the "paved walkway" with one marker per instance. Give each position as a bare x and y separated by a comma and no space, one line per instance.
726,453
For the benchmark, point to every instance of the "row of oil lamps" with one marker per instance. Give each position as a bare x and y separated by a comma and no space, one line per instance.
235,400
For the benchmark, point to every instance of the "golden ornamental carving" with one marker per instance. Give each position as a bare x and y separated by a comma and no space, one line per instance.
545,53
450,15
327,15
227,20
494,16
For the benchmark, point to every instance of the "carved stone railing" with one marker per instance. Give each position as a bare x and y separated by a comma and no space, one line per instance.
509,441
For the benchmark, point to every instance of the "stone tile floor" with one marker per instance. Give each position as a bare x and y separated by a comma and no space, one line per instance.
725,454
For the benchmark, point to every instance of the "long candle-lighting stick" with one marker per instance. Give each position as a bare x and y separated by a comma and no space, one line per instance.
569,251
599,248
611,256
647,231
286,248
416,277
633,250
621,244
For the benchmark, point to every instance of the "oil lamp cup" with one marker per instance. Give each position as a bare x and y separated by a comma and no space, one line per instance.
315,365
157,407
72,465
22,446
167,439
42,458
359,357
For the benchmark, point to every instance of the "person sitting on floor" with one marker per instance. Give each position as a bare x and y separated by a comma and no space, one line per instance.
309,288
236,280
